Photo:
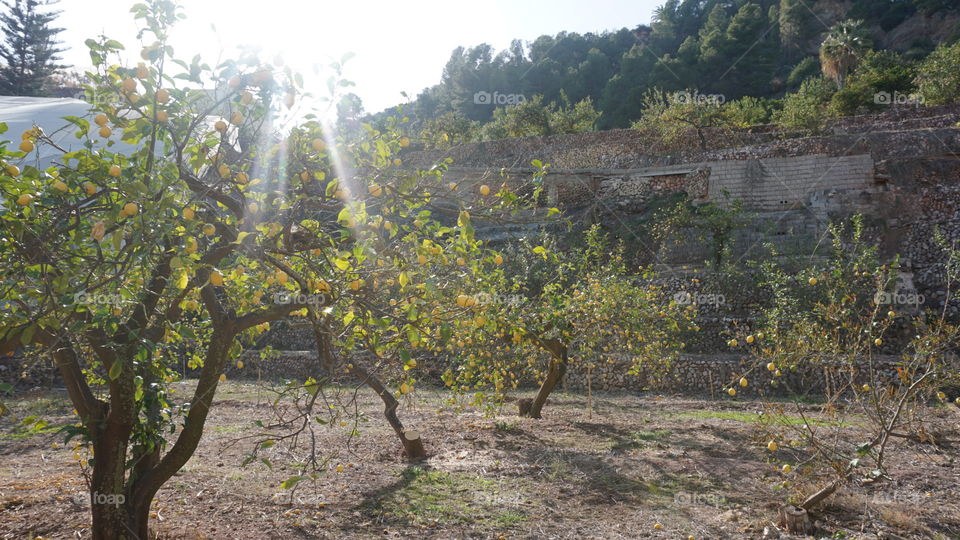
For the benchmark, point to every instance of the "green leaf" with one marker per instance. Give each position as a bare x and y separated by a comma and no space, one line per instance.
26,337
115,370
290,482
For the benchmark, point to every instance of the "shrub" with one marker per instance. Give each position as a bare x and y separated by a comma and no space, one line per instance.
938,78
806,109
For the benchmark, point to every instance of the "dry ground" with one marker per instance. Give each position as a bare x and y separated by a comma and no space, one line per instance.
698,467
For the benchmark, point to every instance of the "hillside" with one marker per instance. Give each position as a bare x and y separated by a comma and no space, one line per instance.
728,48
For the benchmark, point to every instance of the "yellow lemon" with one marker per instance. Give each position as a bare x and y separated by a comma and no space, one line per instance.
114,171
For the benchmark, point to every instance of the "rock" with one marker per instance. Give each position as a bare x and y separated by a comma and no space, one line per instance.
731,516
771,531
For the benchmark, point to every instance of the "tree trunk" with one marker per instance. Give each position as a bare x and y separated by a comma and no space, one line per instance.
412,444
558,368
410,440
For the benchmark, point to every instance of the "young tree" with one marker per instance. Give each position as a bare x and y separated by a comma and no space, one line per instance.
30,49
837,319
670,118
560,306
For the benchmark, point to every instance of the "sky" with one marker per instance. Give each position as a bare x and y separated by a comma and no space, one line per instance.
398,46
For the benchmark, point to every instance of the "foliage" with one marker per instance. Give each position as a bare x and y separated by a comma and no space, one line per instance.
713,224
938,77
223,219
670,118
750,111
805,69
842,49
447,130
743,48
550,307
535,119
29,54
836,318
882,77
806,109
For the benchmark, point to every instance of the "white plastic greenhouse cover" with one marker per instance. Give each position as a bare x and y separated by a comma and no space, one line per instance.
22,113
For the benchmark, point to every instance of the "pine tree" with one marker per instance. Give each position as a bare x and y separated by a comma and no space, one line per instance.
29,53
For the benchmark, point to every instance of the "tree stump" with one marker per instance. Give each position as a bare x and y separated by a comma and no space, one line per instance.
794,519
413,446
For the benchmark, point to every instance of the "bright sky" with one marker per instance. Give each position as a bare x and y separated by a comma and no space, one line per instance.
399,46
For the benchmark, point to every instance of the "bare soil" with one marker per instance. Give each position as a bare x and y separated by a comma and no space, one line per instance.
696,467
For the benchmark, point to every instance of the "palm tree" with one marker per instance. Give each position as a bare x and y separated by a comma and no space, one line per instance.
842,49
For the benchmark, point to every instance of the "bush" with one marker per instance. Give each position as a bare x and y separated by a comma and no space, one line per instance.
807,68
938,78
806,108
669,117
880,72
533,118
749,111
449,129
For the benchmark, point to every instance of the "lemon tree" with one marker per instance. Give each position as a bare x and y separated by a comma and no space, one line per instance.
549,306
217,223
836,317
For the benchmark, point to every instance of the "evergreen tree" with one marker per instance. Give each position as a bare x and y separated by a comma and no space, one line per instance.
29,53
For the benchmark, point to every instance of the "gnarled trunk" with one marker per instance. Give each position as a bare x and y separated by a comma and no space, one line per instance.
409,439
412,444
